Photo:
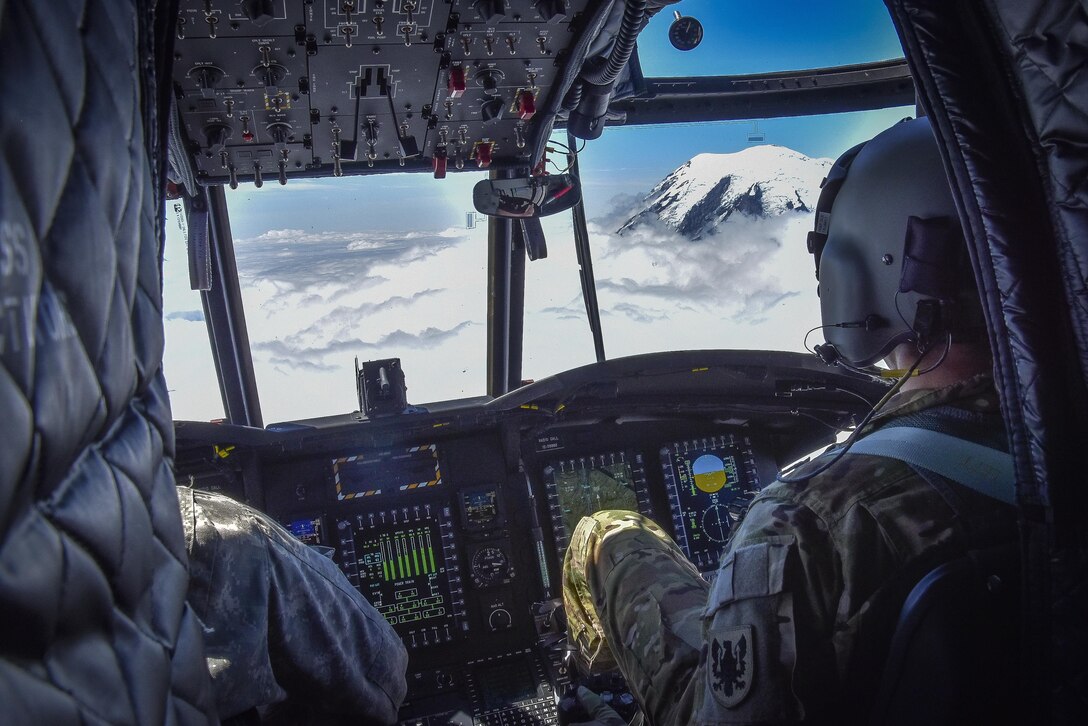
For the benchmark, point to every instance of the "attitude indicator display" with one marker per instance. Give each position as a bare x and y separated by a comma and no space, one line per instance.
703,476
579,487
404,563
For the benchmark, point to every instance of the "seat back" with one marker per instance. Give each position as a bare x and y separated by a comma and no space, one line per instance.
93,622
954,655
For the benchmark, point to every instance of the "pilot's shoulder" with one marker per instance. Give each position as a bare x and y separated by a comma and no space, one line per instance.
817,506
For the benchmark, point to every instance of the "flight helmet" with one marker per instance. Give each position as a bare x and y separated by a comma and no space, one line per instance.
890,255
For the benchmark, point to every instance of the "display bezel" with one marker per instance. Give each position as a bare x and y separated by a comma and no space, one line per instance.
704,550
635,465
383,460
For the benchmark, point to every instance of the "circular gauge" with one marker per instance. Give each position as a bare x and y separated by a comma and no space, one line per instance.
489,565
709,473
716,522
685,32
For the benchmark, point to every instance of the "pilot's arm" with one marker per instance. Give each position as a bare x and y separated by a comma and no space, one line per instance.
753,647
282,622
768,654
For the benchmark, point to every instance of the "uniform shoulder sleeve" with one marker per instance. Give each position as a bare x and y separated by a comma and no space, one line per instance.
768,621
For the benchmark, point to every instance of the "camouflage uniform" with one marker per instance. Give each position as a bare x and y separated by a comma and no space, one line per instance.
281,621
797,621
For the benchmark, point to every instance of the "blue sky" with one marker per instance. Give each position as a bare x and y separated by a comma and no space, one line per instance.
745,38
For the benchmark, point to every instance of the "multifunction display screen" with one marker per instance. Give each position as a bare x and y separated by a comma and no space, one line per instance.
505,683
308,530
703,477
384,472
580,487
396,558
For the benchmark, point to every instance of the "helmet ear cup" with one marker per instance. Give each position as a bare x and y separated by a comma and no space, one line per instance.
888,246
932,244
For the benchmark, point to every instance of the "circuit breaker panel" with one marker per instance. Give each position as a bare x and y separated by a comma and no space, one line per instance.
271,89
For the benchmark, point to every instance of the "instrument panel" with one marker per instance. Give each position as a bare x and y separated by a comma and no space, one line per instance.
462,553
454,525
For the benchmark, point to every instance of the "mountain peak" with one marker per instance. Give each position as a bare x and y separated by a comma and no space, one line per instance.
709,189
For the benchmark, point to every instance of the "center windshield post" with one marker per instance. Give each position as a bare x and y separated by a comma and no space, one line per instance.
500,301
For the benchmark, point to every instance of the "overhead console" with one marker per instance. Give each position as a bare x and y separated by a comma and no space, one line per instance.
276,89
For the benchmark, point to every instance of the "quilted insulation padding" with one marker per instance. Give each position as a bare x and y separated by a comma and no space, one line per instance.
94,628
1047,45
1006,82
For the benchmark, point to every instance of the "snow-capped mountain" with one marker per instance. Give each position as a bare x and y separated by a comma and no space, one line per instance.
760,181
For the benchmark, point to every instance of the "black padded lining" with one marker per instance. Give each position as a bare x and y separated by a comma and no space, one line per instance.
93,622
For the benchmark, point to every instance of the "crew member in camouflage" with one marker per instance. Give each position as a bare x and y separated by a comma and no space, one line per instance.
797,621
282,624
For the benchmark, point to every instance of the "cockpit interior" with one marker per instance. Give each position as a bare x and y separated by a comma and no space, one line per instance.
453,518
450,508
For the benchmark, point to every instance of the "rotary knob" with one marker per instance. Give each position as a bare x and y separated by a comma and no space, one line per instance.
217,134
489,79
552,10
500,619
207,77
491,110
489,10
271,74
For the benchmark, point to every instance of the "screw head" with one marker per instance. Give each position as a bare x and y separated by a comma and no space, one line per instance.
887,259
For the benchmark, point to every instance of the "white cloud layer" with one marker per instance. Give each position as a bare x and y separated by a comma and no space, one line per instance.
316,298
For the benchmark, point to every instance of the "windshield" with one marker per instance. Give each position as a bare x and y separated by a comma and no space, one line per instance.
698,241
367,267
697,233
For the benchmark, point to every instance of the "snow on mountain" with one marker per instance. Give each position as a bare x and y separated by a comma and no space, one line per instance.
758,182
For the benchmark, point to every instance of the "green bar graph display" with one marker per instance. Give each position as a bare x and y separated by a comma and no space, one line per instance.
399,572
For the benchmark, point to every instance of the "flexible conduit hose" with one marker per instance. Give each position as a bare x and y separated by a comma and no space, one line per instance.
622,49
574,95
603,73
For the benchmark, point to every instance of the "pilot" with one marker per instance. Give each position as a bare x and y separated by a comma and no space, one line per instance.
795,625
283,627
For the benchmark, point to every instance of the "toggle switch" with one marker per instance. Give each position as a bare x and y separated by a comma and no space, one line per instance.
438,163
456,83
483,154
526,105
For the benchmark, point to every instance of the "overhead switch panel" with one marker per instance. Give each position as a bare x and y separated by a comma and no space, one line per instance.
296,88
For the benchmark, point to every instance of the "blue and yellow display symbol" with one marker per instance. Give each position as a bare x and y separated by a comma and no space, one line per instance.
709,473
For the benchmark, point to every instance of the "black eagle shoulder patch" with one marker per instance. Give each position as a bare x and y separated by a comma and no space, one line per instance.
730,665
